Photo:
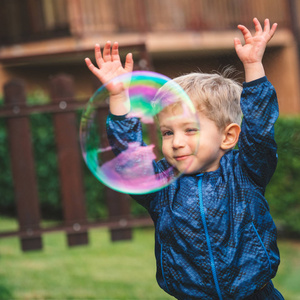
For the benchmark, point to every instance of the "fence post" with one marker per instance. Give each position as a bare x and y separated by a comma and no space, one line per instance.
69,158
23,170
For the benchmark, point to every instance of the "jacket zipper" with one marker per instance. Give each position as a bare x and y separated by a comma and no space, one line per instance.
212,262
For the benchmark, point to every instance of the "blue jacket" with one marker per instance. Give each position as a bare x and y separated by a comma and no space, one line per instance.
214,235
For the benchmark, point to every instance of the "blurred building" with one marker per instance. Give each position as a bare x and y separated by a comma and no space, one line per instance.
41,38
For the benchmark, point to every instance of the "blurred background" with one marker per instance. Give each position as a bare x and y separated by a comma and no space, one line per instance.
50,202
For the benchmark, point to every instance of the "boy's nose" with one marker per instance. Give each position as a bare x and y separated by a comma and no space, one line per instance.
178,141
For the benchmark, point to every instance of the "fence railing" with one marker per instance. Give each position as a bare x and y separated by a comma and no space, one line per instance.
24,21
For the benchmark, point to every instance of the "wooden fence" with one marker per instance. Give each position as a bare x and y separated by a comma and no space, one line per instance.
64,108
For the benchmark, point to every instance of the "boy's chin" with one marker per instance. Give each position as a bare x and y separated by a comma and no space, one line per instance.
186,171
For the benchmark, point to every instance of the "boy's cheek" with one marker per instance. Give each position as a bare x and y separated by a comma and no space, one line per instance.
195,142
164,148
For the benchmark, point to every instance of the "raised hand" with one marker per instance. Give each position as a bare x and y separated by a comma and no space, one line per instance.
109,66
255,45
251,53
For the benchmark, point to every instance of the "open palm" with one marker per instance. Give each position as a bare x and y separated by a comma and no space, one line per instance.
110,66
255,45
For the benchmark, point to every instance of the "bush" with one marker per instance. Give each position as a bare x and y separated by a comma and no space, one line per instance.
46,167
283,192
48,174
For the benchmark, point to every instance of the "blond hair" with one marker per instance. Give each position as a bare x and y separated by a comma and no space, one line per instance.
214,95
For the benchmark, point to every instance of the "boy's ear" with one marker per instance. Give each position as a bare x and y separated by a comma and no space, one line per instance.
230,136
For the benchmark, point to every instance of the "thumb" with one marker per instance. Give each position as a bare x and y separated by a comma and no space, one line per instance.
237,44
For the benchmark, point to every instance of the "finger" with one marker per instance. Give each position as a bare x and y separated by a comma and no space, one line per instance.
257,26
115,52
129,62
90,65
87,61
245,31
106,52
98,56
267,25
273,29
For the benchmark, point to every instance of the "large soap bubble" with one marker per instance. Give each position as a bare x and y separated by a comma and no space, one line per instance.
133,168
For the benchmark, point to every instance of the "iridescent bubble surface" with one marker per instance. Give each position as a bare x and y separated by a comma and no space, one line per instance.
132,170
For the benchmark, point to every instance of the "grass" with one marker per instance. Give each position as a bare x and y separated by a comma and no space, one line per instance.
103,270
287,280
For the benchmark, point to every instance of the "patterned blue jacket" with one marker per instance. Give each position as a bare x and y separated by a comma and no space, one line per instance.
214,235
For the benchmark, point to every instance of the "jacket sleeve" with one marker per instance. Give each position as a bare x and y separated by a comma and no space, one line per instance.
122,131
257,146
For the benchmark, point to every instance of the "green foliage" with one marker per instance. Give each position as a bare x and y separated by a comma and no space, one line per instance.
283,192
46,164
48,174
38,97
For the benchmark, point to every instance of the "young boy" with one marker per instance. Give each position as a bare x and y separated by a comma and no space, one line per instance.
214,235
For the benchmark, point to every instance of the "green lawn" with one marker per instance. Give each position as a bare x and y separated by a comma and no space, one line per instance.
103,270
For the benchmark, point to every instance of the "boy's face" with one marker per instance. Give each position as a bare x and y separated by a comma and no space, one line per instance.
187,147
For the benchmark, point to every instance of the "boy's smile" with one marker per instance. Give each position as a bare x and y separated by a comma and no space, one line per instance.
189,146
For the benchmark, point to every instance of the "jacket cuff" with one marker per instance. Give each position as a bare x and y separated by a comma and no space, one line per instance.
118,118
255,82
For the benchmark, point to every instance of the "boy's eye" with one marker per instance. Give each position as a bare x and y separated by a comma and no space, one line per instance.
192,130
167,133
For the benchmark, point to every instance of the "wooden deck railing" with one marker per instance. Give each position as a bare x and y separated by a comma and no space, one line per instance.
90,17
24,21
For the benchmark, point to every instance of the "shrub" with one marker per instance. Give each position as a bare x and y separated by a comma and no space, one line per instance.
48,174
282,193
